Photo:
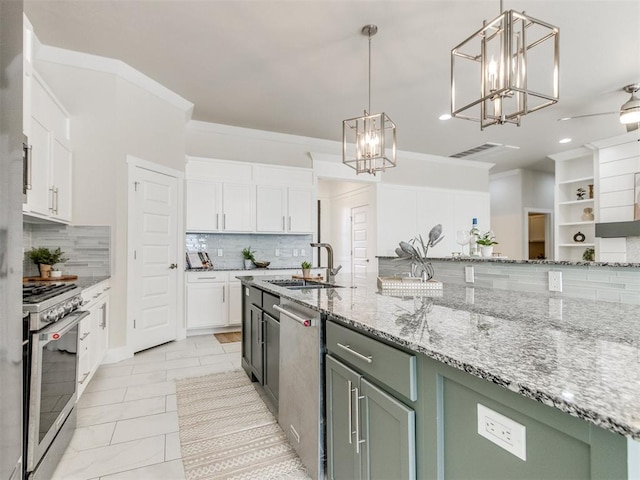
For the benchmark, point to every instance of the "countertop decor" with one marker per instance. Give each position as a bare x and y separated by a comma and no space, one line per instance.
579,356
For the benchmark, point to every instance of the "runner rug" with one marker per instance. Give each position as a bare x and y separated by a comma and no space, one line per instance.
227,432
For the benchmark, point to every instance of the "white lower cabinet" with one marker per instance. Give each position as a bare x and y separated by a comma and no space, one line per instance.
214,298
93,333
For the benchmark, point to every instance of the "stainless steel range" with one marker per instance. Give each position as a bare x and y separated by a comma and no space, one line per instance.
51,316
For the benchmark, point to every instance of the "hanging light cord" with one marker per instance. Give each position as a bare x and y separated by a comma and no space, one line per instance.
369,112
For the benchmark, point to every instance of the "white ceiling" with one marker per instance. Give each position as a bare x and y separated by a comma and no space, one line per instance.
300,66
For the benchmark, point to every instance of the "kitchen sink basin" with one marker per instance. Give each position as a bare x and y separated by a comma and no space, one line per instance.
299,284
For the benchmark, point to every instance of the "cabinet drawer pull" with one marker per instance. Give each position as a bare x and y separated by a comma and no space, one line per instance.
349,415
305,322
85,336
357,432
84,378
366,358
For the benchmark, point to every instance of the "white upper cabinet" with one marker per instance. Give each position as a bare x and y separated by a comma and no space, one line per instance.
50,168
284,209
219,207
227,196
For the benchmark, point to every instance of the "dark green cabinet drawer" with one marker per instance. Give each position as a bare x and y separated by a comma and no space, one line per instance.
268,301
388,365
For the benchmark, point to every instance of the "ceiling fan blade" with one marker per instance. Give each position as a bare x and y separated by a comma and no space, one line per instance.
632,126
563,119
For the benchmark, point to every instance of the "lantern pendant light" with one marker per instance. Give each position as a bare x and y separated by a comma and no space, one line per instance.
369,141
515,60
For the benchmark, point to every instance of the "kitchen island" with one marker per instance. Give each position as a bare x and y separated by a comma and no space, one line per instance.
563,357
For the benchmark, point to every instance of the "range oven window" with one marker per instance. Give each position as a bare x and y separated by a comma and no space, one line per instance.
58,377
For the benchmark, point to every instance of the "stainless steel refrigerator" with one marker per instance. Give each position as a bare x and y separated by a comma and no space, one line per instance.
11,184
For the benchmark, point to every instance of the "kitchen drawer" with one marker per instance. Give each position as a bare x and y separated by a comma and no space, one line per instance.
207,276
268,301
255,296
386,364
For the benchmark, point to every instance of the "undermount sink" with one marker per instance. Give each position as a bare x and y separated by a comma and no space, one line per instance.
299,284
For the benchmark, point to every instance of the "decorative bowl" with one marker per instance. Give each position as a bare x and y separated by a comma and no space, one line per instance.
261,264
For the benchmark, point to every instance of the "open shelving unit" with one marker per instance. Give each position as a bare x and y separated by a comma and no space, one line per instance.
574,170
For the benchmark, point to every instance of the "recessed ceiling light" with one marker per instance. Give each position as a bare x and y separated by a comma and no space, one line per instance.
445,116
565,140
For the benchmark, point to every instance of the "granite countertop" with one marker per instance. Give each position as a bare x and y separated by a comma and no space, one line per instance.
88,282
468,259
240,269
580,356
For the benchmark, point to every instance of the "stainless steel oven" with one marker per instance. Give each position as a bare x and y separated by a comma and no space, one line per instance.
52,371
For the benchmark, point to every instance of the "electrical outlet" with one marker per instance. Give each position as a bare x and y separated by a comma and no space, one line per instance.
503,431
468,274
219,252
277,252
295,252
555,281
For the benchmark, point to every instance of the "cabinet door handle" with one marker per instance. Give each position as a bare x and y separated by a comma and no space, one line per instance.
52,207
349,413
366,358
84,378
85,336
224,296
57,200
224,221
29,165
289,223
217,221
283,223
103,324
357,432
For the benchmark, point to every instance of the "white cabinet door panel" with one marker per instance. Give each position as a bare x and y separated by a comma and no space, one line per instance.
61,178
237,205
300,218
206,305
270,208
38,197
235,303
204,206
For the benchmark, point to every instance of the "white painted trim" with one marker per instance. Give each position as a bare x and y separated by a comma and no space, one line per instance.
146,164
116,67
571,154
618,140
508,173
405,155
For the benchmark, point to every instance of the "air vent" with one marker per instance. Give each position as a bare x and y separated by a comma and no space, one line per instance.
484,150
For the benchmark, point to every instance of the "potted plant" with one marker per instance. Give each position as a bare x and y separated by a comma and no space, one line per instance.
306,269
486,242
248,256
45,258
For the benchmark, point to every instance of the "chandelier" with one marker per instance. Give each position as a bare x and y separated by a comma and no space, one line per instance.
369,141
515,59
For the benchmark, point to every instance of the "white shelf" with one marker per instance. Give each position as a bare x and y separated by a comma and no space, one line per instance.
576,202
577,244
571,224
576,180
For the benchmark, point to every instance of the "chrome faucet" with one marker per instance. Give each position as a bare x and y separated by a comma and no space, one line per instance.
331,272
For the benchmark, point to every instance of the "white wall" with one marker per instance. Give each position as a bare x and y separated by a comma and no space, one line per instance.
511,193
110,119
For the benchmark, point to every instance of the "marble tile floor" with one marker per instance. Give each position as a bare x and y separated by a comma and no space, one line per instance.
127,416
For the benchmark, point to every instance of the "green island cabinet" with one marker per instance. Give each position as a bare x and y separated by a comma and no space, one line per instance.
419,419
261,339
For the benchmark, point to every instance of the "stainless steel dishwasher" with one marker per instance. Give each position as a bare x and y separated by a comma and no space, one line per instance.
301,403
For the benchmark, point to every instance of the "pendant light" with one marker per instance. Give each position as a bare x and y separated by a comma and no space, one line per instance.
372,135
630,110
515,60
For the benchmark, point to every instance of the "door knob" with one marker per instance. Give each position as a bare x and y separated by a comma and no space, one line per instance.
173,265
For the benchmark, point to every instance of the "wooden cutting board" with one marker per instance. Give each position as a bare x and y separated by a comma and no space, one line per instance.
50,279
318,278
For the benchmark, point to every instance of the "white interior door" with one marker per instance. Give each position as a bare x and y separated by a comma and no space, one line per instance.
155,258
360,250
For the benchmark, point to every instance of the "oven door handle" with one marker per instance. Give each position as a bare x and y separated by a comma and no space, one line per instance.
66,324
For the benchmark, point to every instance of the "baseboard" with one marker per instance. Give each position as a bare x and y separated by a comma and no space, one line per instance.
115,355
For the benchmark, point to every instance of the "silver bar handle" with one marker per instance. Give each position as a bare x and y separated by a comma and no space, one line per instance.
349,413
57,199
103,324
217,221
366,358
283,223
305,322
289,223
357,432
52,208
66,324
85,336
84,378
27,149
224,296
224,221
